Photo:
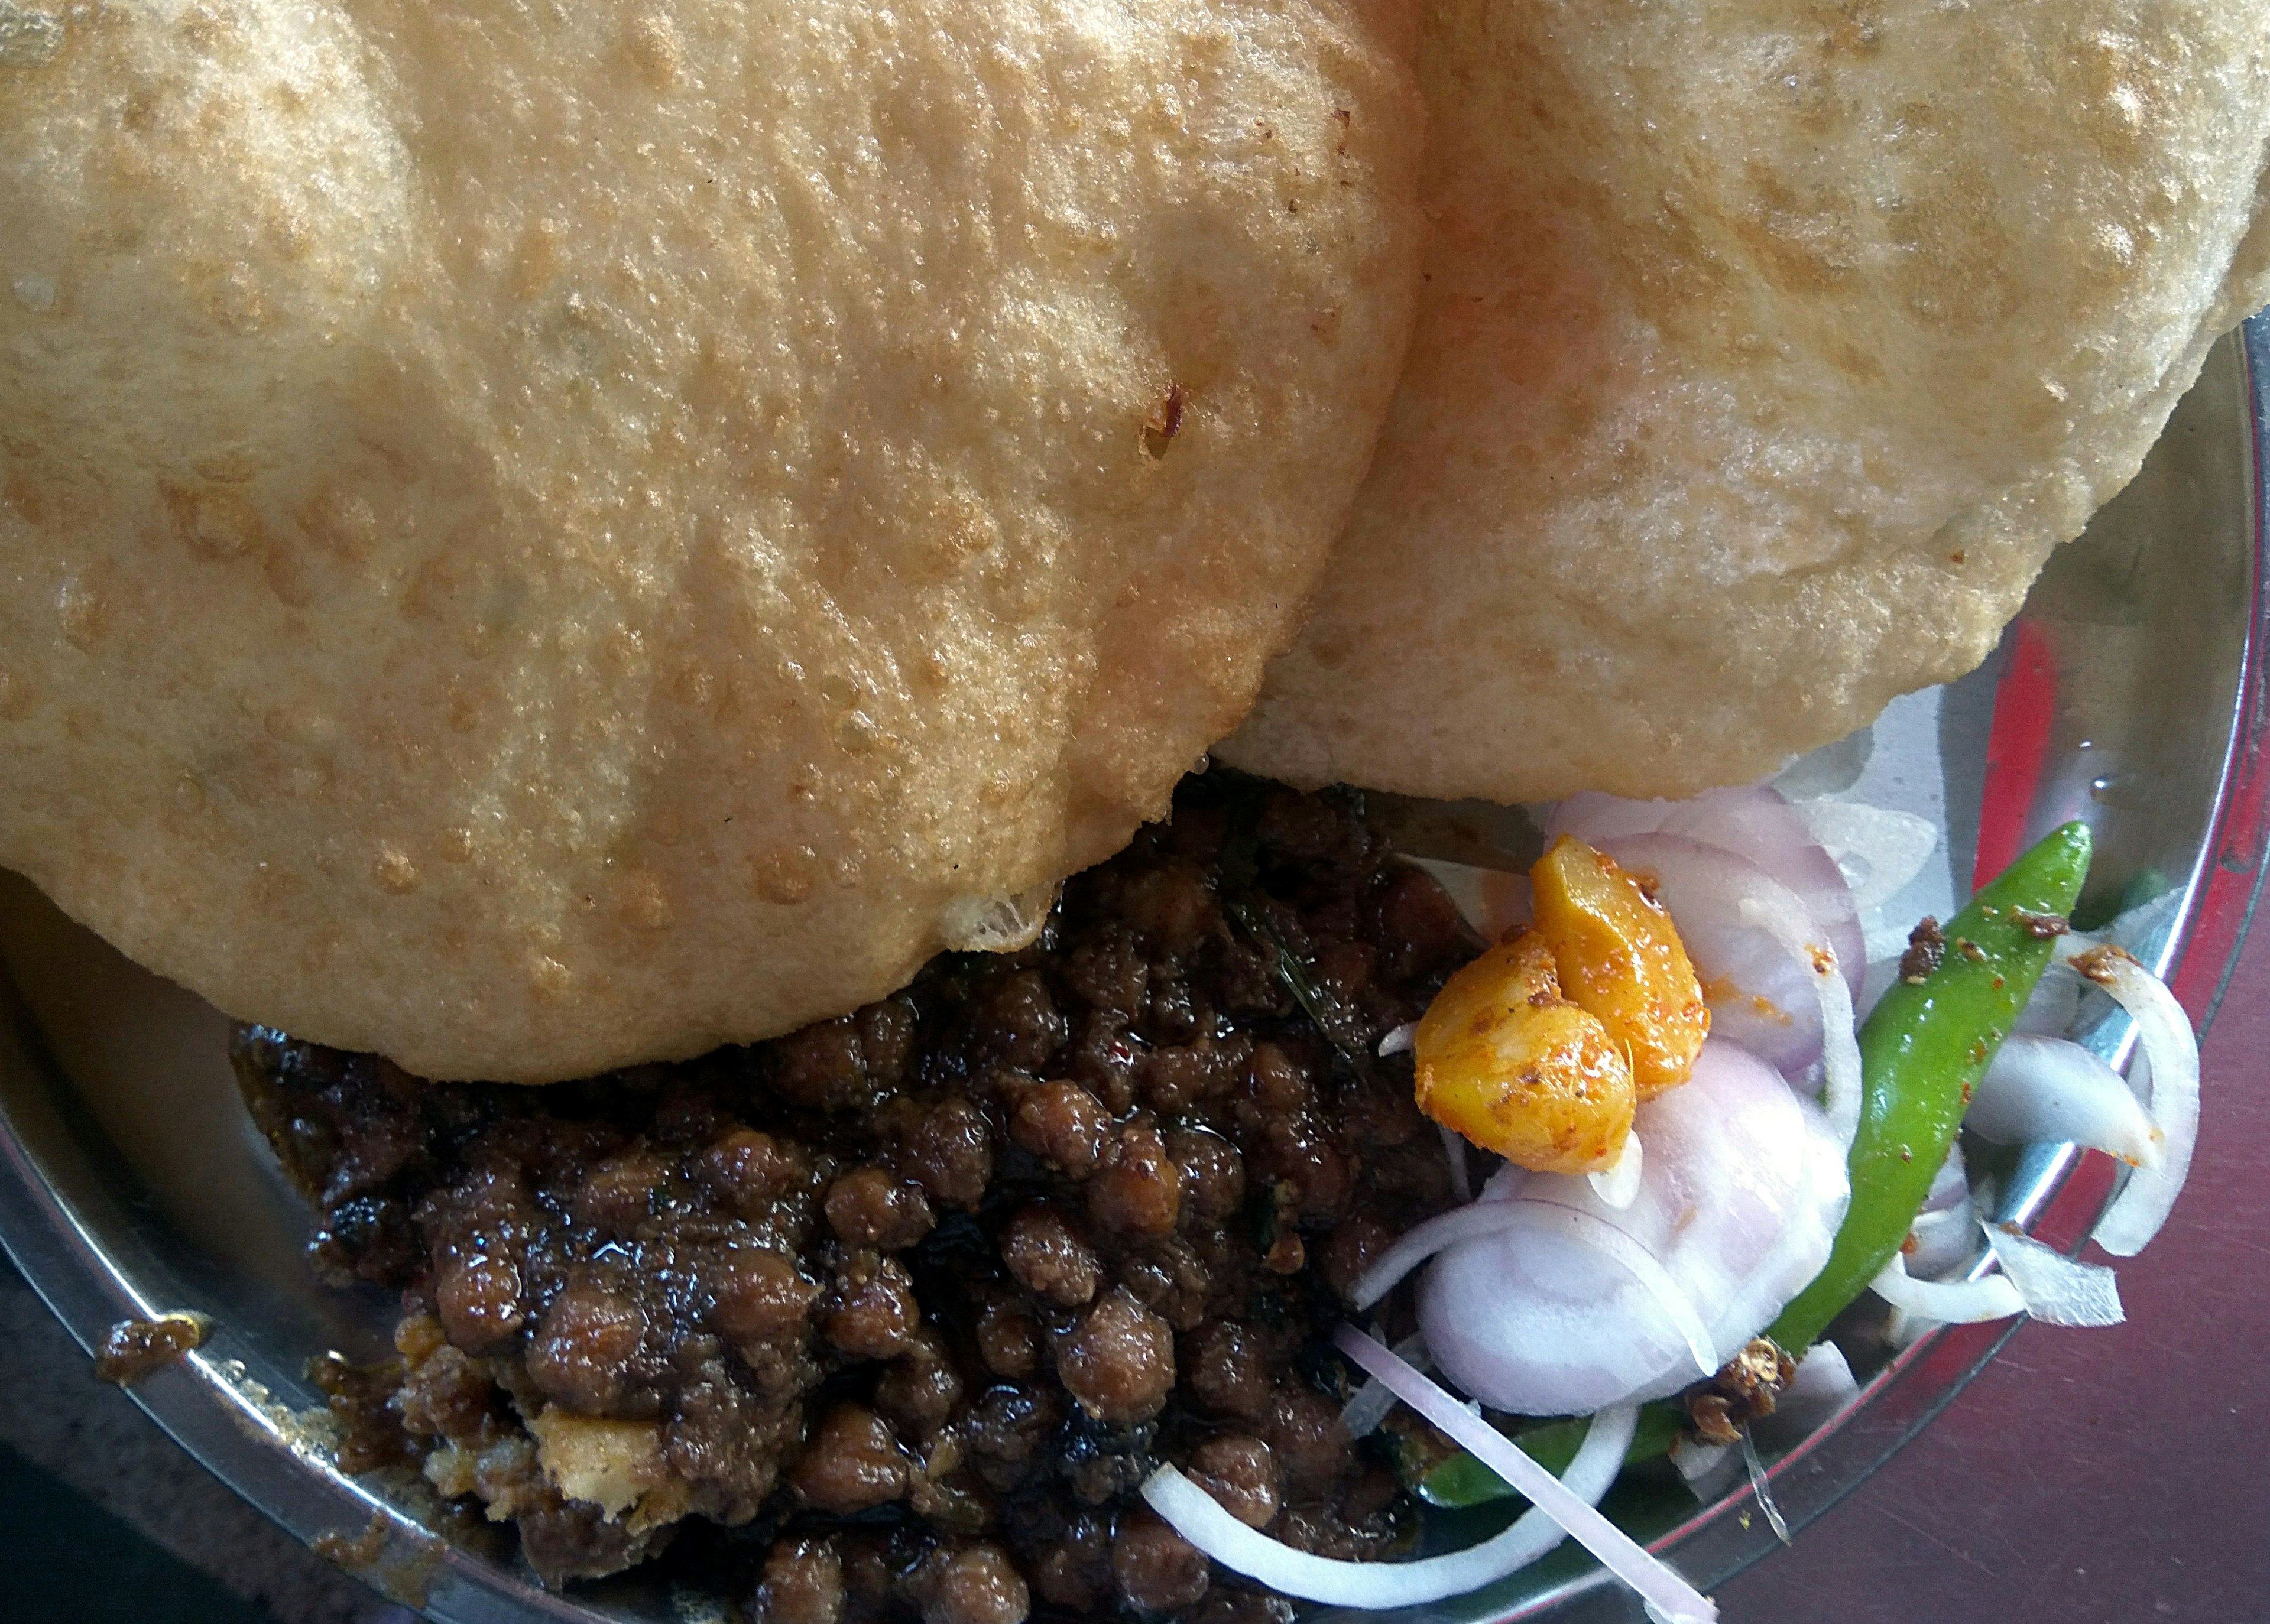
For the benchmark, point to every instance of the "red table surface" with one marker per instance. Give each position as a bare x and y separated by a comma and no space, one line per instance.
2090,1477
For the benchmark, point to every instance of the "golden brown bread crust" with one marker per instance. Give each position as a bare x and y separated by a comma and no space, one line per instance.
1766,349
537,542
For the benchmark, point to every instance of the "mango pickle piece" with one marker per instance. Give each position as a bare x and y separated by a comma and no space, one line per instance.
1619,958
1502,1058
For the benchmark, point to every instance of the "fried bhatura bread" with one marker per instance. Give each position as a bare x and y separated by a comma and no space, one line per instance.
538,539
1766,349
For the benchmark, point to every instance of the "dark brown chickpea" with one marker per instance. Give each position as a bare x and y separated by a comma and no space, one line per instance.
1172,905
921,1388
758,1297
870,1311
1049,1257
872,1206
1213,1174
1007,1339
1239,1474
1140,1189
951,1155
1276,1084
583,1351
1019,1022
1306,1440
1156,1568
478,1299
821,1068
852,1461
1074,1571
618,1194
1120,1363
1353,1247
1227,1368
974,1584
753,1172
803,1583
1061,1122
886,1040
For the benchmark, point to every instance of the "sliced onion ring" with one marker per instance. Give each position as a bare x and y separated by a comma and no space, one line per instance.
1758,998
1757,824
1949,1302
1420,1242
1892,846
2048,1089
1950,1186
1840,1047
1454,1153
2037,1279
1823,1384
1696,1462
1199,1519
2057,1290
2171,1050
1619,1187
1590,1229
1660,1587
1370,1403
1938,1243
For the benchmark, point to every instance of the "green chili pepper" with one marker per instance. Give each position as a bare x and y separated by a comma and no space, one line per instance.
1923,1050
1462,1481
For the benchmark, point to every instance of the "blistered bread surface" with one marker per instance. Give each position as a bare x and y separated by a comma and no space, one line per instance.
539,537
1766,349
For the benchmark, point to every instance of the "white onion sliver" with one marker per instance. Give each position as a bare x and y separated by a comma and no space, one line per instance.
1509,903
1758,997
1949,1302
1619,1187
1589,1229
1199,1519
1364,1413
1593,816
1463,883
1398,1041
2057,1290
1420,1242
1495,901
2047,1089
1454,1152
1696,1461
1823,1385
1823,1382
2056,1005
1943,1242
1893,846
1617,1551
1901,1329
1840,1050
1950,1186
2171,1050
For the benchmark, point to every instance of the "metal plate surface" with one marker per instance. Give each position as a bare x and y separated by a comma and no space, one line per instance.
132,1182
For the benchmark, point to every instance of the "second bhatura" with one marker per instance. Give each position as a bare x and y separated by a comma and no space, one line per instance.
1764,352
